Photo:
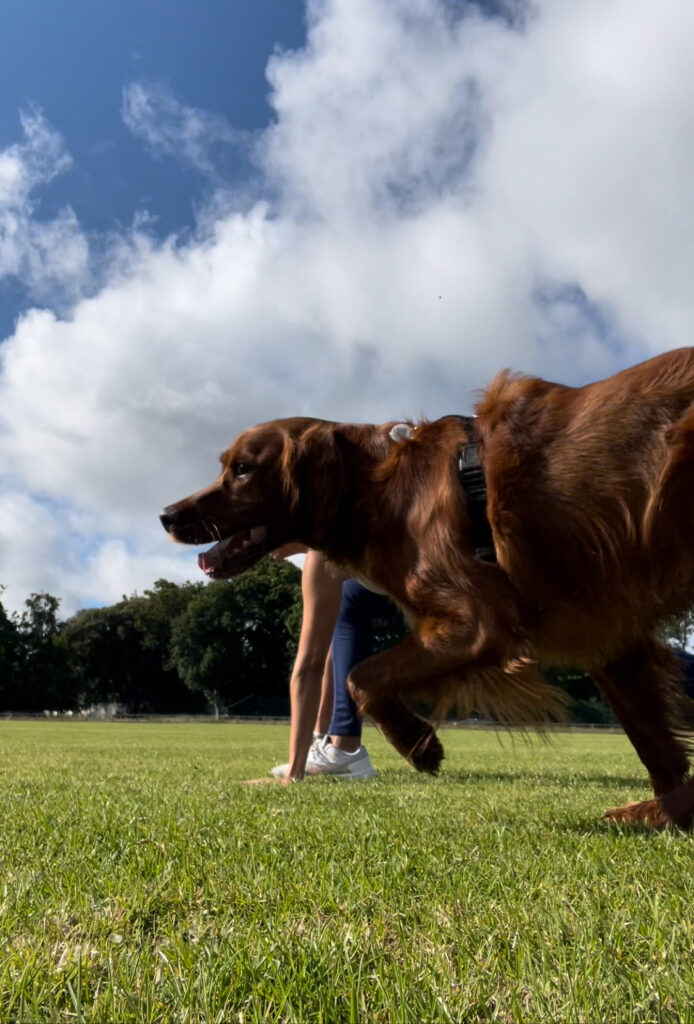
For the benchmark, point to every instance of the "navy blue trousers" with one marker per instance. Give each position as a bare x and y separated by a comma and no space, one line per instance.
352,643
687,661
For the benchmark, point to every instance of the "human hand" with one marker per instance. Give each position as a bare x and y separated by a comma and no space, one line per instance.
267,778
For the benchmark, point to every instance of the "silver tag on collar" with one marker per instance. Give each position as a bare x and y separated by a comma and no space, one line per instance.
400,432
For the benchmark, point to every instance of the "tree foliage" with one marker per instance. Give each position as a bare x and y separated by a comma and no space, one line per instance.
187,648
42,677
679,630
234,641
233,646
9,650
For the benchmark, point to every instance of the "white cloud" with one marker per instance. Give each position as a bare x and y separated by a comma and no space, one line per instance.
444,197
46,546
172,129
50,256
593,153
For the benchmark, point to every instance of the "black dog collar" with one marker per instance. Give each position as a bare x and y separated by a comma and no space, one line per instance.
475,487
473,483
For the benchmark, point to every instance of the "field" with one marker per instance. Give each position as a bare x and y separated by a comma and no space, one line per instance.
141,881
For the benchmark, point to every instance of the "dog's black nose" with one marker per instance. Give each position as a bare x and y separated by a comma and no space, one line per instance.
168,519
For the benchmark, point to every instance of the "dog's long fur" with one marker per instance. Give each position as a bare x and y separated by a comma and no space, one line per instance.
591,501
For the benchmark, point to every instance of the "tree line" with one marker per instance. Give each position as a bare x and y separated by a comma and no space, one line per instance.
187,648
192,648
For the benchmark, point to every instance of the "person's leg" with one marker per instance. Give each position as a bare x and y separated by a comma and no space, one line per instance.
325,709
687,665
352,643
341,753
321,597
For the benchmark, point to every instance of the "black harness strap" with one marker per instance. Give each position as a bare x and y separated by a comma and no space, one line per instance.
475,487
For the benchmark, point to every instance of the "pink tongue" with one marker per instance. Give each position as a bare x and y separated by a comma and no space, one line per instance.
210,559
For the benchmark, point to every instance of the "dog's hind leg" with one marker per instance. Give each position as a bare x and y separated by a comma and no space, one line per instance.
645,692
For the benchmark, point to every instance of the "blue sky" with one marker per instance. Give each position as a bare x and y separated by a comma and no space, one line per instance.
74,58
216,213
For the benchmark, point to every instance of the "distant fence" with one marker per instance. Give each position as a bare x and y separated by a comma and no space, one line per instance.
465,723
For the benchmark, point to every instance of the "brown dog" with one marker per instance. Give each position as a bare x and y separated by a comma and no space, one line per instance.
590,497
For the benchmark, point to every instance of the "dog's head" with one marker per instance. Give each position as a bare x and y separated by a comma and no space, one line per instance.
248,509
280,481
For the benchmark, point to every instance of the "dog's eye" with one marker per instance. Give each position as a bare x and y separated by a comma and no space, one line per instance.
241,468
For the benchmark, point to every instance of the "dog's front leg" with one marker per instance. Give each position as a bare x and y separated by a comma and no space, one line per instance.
377,686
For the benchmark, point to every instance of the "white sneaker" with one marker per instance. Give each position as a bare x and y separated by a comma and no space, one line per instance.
326,759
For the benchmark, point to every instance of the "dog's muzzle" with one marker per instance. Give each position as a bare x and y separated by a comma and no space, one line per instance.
170,518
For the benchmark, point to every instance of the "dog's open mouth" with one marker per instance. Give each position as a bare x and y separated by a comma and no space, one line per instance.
234,554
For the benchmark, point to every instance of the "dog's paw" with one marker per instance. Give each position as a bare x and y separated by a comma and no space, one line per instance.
427,754
643,812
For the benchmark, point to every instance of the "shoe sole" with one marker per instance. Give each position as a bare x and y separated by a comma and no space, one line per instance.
282,771
350,772
368,773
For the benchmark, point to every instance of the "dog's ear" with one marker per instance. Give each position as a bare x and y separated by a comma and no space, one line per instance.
288,469
314,477
362,445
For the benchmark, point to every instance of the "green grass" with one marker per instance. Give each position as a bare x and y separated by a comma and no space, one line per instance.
140,881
